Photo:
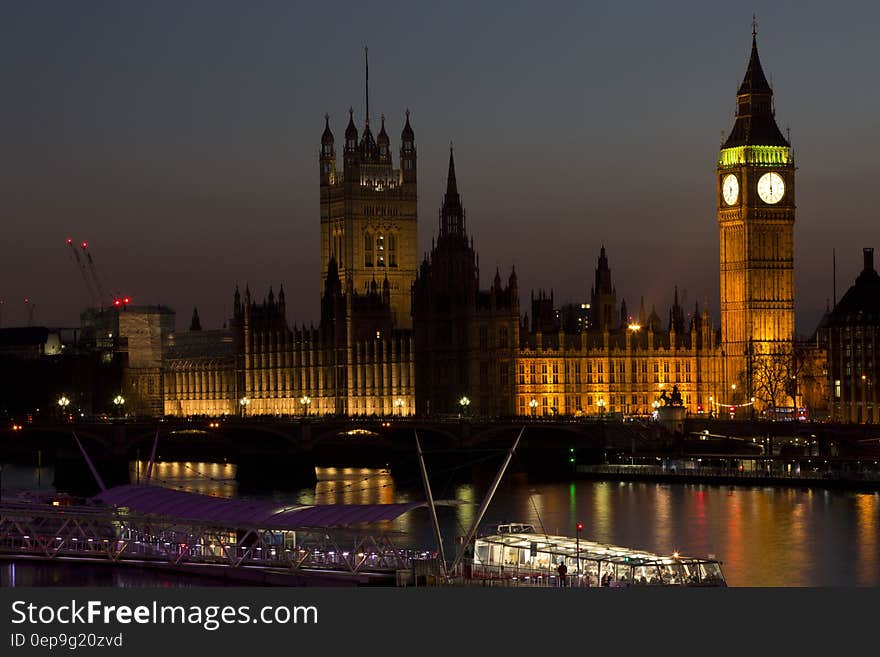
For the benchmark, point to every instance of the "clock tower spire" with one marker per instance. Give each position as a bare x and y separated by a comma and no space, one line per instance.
756,211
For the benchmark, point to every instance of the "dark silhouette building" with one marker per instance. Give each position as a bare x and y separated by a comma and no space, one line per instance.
853,330
466,339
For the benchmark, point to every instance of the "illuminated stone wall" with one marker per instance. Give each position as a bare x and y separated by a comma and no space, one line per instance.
282,368
200,374
619,372
275,369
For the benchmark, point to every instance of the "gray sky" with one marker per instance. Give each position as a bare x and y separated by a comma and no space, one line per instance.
181,140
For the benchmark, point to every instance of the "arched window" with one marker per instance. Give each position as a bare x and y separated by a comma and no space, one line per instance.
392,250
368,250
380,250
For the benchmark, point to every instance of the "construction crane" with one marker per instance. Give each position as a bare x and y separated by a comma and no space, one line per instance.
31,306
94,271
86,265
81,266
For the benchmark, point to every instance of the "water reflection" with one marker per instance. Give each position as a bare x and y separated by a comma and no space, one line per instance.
763,536
17,477
217,479
27,574
354,486
867,509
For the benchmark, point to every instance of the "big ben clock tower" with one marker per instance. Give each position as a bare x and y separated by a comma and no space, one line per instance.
756,208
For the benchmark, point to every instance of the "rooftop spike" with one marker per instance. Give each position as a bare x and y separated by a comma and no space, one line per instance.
327,135
452,214
451,185
367,90
755,124
407,133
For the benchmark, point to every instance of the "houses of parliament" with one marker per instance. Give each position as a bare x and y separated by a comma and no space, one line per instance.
400,336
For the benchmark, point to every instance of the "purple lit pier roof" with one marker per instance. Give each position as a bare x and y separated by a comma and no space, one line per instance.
227,512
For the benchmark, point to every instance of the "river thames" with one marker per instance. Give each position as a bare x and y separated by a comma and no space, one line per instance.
764,536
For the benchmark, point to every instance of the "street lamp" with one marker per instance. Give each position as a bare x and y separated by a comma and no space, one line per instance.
464,402
63,403
306,401
118,401
601,405
577,550
244,401
533,404
399,403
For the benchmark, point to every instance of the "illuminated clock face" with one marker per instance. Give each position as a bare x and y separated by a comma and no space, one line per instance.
771,188
730,189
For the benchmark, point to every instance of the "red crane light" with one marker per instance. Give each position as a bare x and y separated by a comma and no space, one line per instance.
85,245
70,240
117,302
126,301
580,526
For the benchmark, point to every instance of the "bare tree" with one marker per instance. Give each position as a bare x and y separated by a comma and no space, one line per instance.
771,378
808,375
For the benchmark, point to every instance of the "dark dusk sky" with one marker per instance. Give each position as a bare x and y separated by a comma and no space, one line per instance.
181,140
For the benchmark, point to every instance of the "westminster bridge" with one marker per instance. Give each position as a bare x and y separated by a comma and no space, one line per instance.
273,448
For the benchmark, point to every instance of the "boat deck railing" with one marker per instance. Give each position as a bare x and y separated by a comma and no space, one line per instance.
491,575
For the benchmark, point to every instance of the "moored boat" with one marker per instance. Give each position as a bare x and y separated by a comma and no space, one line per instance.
518,552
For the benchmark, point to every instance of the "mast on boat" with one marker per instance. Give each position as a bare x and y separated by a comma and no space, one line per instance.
430,497
486,501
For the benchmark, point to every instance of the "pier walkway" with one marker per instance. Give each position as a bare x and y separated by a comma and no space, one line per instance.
120,535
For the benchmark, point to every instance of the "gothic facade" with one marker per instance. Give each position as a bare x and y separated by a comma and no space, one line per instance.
398,337
369,213
621,365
